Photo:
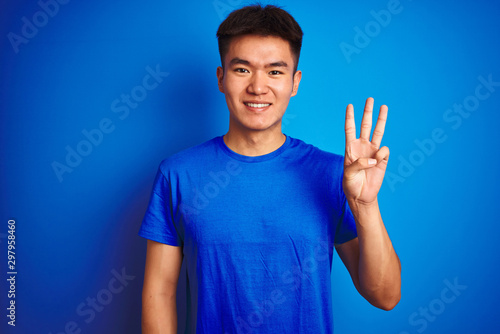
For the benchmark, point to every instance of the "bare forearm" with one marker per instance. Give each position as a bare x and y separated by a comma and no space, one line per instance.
379,266
159,314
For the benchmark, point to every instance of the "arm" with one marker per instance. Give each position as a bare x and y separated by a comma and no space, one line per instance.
159,311
370,259
373,264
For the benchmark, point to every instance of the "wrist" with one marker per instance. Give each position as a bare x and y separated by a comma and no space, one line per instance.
364,211
353,202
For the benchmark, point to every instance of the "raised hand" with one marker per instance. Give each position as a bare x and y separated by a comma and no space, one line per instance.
364,161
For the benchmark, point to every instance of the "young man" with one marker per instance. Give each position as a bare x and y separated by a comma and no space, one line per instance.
255,213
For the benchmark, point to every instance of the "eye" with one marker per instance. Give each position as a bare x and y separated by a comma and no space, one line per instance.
275,72
241,70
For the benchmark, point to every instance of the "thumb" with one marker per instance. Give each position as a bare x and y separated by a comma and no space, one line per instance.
360,164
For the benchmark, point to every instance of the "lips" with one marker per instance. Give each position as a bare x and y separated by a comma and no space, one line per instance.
257,106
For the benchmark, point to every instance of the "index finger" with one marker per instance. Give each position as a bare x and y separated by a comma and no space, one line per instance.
350,126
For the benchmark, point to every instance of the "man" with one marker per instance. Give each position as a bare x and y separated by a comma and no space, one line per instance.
255,213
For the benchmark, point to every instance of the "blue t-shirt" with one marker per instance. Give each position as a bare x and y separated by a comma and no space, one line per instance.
257,234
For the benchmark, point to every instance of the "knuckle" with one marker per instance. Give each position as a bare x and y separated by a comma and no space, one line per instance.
349,130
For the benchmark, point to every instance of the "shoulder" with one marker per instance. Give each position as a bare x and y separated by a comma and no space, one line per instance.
315,154
323,167
190,157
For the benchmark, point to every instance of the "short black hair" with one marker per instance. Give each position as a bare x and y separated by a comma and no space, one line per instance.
257,20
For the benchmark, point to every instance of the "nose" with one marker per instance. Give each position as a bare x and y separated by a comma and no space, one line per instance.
257,84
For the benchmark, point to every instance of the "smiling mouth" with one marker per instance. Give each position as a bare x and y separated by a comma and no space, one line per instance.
257,105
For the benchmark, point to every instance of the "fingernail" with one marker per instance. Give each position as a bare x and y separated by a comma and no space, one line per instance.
372,161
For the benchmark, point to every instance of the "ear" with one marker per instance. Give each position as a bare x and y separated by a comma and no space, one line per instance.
296,81
220,78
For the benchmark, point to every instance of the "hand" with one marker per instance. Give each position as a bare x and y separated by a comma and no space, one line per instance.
364,162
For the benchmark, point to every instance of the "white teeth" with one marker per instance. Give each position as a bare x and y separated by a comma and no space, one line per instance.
258,105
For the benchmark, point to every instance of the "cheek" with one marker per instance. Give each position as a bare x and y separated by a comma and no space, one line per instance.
233,88
283,91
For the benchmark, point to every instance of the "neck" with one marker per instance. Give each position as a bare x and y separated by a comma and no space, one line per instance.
254,143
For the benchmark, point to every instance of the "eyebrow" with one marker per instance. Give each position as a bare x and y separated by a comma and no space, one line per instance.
246,62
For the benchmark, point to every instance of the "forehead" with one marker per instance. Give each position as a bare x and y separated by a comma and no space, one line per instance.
259,50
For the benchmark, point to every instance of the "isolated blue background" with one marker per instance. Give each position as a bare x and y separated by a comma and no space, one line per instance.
72,235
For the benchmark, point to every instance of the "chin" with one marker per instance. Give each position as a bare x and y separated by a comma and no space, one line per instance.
258,123
261,126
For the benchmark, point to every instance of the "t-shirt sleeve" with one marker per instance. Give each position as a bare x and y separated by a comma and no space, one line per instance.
346,226
158,223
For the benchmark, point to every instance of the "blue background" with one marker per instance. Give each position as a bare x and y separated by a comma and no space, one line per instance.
74,233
